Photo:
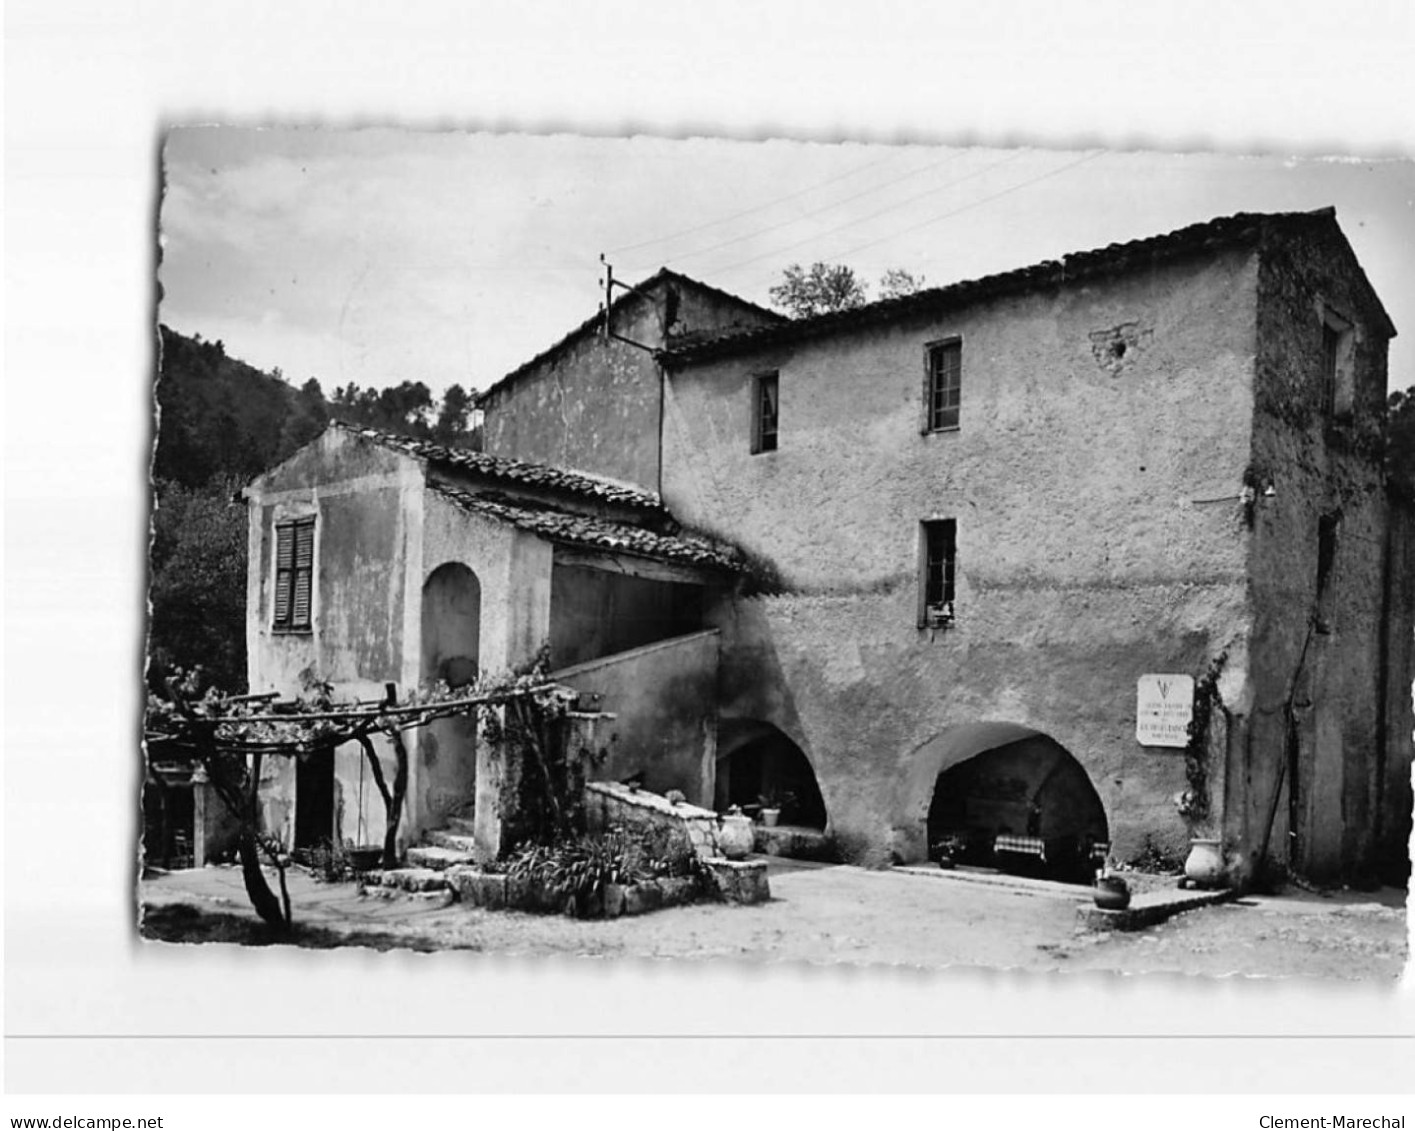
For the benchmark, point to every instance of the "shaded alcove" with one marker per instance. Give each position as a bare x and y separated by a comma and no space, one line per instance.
314,800
451,651
451,625
756,764
1028,789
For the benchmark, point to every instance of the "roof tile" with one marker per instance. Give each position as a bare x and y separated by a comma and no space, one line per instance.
601,534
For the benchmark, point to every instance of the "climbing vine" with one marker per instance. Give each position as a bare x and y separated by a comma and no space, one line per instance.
230,736
1195,804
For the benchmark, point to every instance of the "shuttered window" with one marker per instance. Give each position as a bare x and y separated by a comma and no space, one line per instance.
294,574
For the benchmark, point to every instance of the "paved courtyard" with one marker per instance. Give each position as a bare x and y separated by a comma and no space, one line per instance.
832,914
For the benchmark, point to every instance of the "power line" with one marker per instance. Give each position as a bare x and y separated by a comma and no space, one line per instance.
987,199
833,205
923,224
755,208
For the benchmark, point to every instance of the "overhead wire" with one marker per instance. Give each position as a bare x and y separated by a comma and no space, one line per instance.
913,227
834,205
855,222
755,208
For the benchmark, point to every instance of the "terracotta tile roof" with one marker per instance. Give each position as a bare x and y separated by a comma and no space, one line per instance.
1243,227
508,470
596,533
663,274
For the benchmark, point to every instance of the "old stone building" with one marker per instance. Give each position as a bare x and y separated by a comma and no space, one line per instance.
993,546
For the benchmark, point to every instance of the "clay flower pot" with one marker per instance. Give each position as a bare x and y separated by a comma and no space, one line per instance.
770,817
734,836
1111,893
1204,866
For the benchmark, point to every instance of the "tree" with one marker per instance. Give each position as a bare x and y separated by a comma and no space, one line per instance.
897,282
821,289
453,415
198,581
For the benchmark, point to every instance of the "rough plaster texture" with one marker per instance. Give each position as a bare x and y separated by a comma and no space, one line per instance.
664,701
593,404
367,502
1088,553
1318,660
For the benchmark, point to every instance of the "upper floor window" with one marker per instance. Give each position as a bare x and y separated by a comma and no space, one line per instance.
943,385
939,553
294,574
1338,377
765,405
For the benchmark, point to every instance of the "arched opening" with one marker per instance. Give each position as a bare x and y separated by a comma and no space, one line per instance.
451,651
759,767
1024,805
451,624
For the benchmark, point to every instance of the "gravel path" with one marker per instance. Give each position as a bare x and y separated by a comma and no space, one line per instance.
834,914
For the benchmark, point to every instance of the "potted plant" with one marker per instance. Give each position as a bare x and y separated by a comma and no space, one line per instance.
773,801
1111,892
948,850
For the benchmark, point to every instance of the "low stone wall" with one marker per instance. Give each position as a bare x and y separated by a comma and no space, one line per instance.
794,841
612,803
496,891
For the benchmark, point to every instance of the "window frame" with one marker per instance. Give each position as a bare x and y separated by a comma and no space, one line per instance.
283,611
935,414
763,440
1338,374
938,602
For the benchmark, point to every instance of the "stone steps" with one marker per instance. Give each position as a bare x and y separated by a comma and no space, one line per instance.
462,826
457,842
436,857
408,879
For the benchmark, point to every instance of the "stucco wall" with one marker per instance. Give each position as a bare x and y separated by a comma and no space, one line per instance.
1320,659
1089,551
664,701
594,405
367,504
512,569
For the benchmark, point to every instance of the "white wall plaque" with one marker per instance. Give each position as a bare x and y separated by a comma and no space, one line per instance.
1164,706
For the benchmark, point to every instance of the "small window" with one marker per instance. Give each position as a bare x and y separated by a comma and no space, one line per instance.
765,406
1338,380
939,551
294,574
943,386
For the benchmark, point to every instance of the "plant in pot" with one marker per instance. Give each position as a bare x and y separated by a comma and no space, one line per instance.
772,802
1111,893
948,850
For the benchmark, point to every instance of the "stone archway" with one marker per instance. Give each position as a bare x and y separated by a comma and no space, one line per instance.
756,761
975,783
451,624
451,651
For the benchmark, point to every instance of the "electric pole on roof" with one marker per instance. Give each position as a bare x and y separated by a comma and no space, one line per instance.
610,282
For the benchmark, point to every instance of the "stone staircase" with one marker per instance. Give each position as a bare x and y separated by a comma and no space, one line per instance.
426,863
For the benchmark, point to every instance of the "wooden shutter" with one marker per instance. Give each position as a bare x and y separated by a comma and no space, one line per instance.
284,568
303,574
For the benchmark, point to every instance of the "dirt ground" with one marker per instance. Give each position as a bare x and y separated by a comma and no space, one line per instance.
833,914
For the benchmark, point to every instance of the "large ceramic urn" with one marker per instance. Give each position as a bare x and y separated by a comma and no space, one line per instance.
1204,866
735,835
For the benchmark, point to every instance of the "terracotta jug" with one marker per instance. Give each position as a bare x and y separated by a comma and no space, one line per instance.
1204,866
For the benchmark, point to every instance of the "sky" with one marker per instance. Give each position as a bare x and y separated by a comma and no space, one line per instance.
381,255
